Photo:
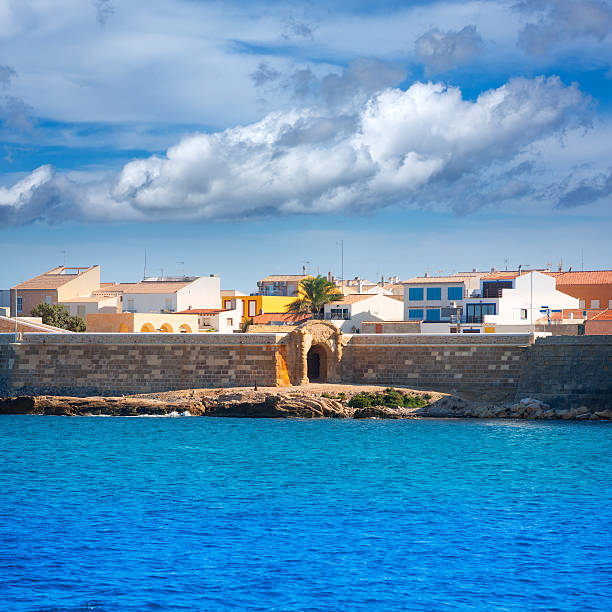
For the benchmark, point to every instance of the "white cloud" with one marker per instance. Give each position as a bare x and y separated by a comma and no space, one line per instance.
446,50
561,21
417,147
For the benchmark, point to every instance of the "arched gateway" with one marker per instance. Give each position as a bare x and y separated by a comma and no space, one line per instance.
313,353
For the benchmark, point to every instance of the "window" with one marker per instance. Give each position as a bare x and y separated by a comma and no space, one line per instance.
581,303
81,310
130,304
340,314
433,314
594,303
19,304
434,293
48,299
455,293
168,303
523,313
475,312
252,308
415,314
230,322
415,294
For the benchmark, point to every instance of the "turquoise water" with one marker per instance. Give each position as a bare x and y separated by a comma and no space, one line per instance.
240,514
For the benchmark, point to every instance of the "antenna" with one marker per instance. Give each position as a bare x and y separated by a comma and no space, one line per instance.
64,252
341,245
144,275
582,259
183,264
507,261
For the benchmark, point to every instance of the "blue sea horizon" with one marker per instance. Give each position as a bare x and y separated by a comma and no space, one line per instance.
257,514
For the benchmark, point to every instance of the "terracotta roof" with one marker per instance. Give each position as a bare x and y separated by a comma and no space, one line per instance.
590,277
425,280
203,311
283,277
51,279
285,317
399,298
157,287
89,299
355,297
114,289
606,315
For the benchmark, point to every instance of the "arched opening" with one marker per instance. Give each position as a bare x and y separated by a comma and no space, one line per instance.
123,328
184,329
316,364
147,327
166,328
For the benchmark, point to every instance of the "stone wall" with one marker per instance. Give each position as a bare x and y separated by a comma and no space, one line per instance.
569,371
391,327
475,366
115,364
563,371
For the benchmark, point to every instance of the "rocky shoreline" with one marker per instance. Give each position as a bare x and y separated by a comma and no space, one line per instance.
286,404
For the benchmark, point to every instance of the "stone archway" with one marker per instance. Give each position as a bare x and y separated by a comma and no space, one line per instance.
313,343
147,328
316,364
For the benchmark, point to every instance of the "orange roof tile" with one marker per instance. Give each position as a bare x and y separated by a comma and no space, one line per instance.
51,279
285,317
356,297
590,277
606,315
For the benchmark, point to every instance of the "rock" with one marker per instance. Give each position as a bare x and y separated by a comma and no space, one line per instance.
582,410
604,414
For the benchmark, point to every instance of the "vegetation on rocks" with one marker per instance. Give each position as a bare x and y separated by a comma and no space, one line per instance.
391,398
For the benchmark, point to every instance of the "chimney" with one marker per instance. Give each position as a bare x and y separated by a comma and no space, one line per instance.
360,286
426,275
329,276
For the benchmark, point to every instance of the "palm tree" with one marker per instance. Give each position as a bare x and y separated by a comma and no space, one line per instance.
315,293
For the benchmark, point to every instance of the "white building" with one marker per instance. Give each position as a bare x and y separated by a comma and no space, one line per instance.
437,298
510,300
172,294
82,306
349,312
222,320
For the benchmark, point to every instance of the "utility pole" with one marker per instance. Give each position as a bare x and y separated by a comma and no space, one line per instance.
64,252
341,245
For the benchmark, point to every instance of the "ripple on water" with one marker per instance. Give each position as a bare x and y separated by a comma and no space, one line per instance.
225,514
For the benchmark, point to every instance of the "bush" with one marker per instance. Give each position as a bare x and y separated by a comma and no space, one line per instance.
58,315
391,398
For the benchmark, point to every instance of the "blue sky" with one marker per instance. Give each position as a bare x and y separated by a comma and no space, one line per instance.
247,138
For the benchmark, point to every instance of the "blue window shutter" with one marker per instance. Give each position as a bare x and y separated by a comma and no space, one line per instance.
415,294
434,293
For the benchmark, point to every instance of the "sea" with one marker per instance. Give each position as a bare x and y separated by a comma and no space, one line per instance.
185,513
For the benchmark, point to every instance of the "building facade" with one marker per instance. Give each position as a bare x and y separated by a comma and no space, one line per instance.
55,286
435,299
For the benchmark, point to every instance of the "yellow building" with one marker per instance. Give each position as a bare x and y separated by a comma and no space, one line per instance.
250,306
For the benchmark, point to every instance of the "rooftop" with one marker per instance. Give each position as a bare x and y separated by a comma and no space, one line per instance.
606,315
147,286
283,277
203,311
589,277
285,317
54,278
422,280
355,297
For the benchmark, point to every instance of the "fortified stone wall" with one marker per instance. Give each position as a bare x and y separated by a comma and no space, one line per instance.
479,366
569,371
562,371
115,364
